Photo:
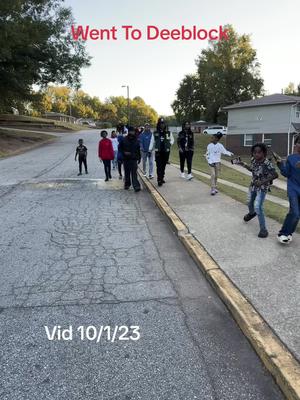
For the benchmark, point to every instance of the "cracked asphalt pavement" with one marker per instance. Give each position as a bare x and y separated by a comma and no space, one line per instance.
82,252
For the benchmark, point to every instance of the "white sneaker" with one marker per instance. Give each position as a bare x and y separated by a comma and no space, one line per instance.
182,174
151,176
144,173
284,239
190,176
290,237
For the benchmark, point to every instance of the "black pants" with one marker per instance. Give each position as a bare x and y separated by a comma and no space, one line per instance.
130,168
188,156
161,158
120,167
107,168
82,159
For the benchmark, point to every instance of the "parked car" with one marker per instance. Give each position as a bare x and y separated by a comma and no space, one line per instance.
213,130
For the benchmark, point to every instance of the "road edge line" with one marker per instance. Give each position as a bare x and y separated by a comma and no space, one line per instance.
279,361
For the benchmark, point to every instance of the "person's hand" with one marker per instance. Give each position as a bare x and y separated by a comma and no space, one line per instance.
180,150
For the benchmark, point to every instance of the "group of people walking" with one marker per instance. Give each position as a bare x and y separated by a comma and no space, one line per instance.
128,146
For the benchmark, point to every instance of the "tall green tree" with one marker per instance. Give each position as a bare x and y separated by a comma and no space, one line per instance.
227,72
36,48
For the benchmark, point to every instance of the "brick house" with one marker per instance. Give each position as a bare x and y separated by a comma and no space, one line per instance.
273,119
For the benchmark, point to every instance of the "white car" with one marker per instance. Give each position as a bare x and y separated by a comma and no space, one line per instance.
213,130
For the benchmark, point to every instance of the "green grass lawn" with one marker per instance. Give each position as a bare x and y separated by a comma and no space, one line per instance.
227,173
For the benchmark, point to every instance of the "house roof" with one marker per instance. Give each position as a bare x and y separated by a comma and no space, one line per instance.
273,99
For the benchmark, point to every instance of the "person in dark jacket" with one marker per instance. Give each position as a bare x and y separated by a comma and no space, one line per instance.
163,140
106,154
81,152
130,149
185,142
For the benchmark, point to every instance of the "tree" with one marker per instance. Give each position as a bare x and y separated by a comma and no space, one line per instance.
36,48
227,72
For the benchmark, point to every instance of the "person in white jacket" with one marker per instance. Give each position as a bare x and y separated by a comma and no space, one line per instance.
213,156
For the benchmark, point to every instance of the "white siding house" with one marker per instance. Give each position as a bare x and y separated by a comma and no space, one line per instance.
271,119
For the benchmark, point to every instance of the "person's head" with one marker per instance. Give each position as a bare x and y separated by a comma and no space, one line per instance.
142,129
297,143
259,151
147,127
80,142
161,124
131,132
186,126
216,138
103,134
113,134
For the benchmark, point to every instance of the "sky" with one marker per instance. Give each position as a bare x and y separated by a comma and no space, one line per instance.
154,69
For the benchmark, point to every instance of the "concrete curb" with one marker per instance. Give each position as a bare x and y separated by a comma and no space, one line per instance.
273,353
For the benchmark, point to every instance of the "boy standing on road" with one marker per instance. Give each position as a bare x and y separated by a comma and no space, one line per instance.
213,156
291,170
263,173
130,149
81,152
147,143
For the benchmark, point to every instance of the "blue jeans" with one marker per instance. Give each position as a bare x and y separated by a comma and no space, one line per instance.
255,203
292,218
115,160
148,155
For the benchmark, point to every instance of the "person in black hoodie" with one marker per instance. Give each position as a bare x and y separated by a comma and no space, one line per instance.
163,140
185,142
130,149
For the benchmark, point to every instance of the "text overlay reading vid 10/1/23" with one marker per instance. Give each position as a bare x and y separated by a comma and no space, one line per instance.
151,33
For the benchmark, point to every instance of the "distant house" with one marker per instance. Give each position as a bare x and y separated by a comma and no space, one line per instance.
59,117
199,126
273,119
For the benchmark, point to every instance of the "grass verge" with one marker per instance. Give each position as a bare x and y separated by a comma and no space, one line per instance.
14,142
227,173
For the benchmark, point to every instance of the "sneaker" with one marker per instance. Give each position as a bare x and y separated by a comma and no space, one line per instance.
120,177
106,180
126,187
182,174
263,233
212,192
283,239
86,172
160,183
190,176
216,190
137,190
79,174
163,181
249,216
144,173
151,176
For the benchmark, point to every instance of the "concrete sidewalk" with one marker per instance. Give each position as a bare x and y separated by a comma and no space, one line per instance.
266,272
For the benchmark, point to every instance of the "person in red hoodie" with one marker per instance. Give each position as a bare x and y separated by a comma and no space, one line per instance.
106,154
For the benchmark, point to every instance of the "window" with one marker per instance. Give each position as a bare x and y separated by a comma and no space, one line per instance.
298,112
248,140
267,139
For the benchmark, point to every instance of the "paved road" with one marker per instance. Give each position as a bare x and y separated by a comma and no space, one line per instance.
79,252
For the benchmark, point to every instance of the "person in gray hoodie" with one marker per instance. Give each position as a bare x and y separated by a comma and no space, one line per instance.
147,146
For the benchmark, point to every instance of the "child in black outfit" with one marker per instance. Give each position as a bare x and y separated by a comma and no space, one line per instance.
81,152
